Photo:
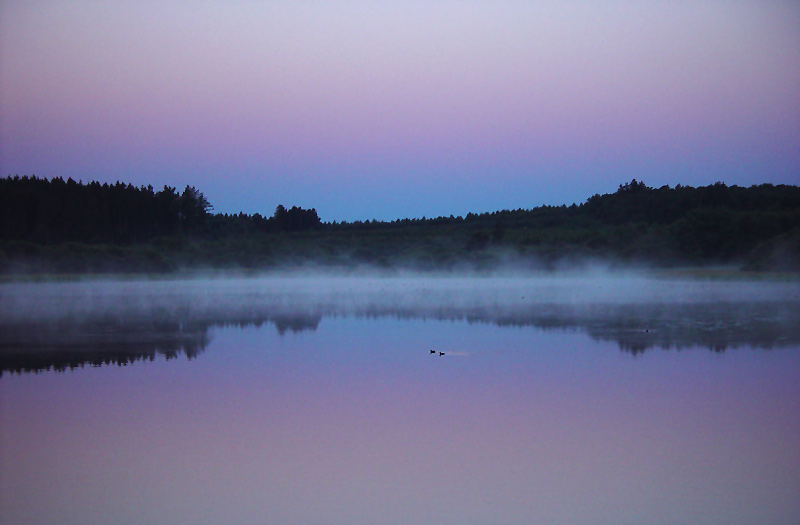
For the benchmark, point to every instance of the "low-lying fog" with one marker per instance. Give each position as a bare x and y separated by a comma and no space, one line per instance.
231,297
636,310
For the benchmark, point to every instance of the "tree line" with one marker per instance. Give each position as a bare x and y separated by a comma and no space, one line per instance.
54,211
67,226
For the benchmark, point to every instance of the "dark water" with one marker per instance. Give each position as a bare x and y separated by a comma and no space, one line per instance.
568,400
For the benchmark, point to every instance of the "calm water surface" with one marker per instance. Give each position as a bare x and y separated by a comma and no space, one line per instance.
300,401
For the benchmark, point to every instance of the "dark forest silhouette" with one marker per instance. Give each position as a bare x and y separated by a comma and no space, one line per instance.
57,226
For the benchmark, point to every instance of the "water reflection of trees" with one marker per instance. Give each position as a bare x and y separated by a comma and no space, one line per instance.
70,343
639,327
290,322
67,342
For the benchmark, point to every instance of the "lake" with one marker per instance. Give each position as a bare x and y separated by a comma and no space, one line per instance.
549,399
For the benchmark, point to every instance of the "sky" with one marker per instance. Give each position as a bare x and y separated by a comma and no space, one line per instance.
386,110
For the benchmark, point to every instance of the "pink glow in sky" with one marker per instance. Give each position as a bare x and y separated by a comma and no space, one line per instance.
401,109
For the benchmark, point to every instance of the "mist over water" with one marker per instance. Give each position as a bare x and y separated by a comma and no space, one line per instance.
358,295
66,324
652,302
317,399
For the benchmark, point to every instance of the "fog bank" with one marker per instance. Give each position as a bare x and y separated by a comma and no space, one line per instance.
224,297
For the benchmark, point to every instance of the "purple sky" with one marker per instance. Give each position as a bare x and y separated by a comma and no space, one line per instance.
400,109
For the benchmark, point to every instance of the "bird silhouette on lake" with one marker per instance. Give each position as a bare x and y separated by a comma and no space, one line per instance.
441,354
433,351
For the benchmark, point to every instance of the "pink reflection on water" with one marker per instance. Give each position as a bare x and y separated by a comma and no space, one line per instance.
357,423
